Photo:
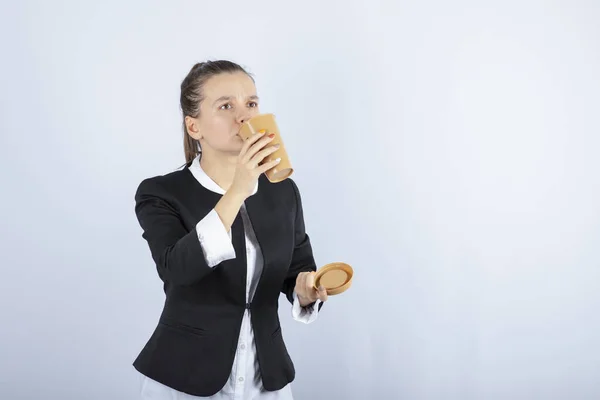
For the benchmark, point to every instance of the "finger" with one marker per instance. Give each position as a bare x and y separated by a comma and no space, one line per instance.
310,286
322,293
310,281
268,165
250,141
301,286
300,281
304,289
262,142
258,157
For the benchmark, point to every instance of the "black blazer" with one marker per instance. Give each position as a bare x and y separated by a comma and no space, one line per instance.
193,346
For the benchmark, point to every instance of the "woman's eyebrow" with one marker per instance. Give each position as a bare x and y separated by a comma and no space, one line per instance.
224,98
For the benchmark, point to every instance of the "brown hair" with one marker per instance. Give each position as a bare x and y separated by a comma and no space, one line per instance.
192,96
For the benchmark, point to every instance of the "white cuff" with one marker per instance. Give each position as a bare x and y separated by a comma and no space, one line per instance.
305,314
214,239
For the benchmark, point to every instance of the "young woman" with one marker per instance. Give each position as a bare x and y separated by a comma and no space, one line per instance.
226,243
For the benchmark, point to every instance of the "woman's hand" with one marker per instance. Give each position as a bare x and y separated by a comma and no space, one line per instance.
246,175
306,291
248,168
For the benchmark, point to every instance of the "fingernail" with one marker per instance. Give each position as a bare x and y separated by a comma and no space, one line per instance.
272,135
321,288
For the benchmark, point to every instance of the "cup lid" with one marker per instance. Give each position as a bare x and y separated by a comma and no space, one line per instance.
334,277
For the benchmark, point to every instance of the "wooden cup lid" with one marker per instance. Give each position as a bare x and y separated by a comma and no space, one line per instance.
335,277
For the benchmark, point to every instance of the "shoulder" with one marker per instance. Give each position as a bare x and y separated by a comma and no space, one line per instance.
284,194
285,188
162,185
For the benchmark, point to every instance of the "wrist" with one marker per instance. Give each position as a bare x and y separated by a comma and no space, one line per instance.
229,207
303,301
235,195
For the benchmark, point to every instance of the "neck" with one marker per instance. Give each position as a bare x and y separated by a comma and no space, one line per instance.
219,167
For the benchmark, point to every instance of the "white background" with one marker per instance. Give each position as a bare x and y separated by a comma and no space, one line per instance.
447,150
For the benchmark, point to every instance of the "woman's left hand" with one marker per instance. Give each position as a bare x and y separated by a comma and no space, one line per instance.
306,291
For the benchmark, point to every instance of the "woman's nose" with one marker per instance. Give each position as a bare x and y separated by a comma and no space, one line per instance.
243,118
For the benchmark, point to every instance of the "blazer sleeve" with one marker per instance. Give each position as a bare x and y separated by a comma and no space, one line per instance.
302,257
177,253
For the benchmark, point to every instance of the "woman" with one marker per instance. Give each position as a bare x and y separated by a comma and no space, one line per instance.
226,243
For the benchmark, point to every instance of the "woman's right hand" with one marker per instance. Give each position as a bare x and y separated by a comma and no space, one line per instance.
248,168
246,175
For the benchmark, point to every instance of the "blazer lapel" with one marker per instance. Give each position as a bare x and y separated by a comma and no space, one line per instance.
259,207
241,270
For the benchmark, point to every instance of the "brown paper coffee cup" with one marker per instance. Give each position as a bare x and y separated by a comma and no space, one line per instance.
266,122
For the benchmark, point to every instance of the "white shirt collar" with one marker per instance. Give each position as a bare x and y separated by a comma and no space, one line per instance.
206,180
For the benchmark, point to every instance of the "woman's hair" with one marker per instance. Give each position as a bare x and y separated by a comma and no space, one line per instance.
192,96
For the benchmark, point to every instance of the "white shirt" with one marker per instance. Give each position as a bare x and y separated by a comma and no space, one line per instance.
244,382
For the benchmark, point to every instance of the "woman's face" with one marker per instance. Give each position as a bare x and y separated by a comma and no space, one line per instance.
229,100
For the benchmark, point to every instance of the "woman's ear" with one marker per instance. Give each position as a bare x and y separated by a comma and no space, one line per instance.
192,127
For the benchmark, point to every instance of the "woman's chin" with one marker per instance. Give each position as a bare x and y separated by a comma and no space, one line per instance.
234,148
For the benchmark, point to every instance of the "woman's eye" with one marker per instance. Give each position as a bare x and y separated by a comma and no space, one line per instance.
225,106
253,104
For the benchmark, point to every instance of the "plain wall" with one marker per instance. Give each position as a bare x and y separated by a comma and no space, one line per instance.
447,150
